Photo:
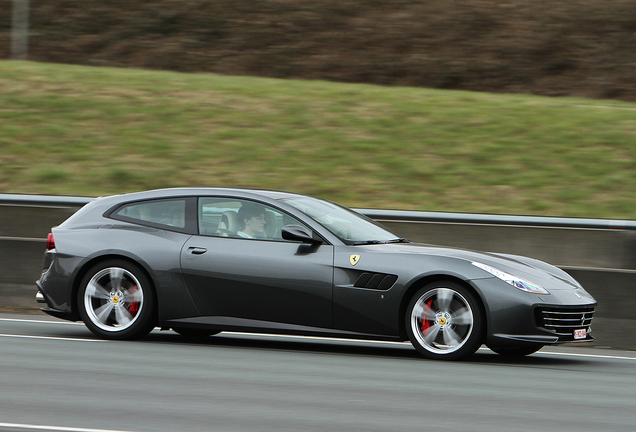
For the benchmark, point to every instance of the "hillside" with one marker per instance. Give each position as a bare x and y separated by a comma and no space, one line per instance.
77,130
583,48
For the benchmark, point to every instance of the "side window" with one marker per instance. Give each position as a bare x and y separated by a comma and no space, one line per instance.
229,217
170,213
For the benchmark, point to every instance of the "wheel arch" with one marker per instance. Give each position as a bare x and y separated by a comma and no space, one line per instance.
79,276
415,285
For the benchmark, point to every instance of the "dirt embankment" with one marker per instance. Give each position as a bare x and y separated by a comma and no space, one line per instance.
547,47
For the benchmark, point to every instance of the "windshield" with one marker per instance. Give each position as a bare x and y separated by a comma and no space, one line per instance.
349,226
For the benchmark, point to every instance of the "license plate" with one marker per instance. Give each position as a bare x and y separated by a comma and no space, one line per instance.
580,334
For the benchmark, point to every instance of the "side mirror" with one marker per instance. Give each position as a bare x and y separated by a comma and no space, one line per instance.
298,233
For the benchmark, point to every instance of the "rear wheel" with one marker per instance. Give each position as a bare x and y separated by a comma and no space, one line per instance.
444,321
116,301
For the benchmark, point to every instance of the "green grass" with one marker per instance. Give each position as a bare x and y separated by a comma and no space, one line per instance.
73,130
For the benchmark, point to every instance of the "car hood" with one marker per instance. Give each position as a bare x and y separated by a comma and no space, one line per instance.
532,270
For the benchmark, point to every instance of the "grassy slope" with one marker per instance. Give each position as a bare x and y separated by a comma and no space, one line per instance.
91,131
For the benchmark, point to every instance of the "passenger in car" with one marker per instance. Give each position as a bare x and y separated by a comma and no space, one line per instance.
252,221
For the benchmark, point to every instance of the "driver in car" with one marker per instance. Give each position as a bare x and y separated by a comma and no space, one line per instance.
252,220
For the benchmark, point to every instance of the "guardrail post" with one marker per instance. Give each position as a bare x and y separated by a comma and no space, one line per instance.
20,30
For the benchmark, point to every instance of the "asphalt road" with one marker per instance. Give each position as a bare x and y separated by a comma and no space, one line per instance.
55,376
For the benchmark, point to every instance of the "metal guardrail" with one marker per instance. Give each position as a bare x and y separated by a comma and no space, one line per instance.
386,215
43,200
489,219
599,253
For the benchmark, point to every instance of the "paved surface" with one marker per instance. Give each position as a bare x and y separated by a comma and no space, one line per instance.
55,376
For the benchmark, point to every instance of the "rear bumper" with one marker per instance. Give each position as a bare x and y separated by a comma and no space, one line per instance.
39,297
60,314
53,291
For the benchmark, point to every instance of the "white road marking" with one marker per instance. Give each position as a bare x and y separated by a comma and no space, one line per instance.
46,337
408,344
54,428
317,338
588,355
51,338
566,354
41,321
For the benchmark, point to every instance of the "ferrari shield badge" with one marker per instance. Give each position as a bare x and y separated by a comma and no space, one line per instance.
353,259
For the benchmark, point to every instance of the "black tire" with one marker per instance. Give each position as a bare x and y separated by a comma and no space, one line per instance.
516,351
444,321
195,332
116,300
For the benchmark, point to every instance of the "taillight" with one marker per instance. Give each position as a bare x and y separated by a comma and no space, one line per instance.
50,242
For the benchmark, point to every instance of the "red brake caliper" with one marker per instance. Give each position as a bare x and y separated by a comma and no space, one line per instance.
425,322
134,306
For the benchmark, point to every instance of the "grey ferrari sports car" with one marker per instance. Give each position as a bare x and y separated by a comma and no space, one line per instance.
202,261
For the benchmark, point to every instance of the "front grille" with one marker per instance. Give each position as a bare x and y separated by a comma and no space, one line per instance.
564,320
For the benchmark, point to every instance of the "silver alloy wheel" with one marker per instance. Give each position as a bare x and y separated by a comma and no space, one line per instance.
442,320
113,299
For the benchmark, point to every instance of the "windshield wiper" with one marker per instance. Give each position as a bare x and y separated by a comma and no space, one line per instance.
368,242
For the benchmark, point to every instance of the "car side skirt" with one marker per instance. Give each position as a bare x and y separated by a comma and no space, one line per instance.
230,324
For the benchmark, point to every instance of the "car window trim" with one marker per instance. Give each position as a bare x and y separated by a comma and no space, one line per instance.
265,203
191,219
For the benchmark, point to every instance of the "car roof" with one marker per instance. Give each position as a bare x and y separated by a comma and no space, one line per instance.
199,191
102,204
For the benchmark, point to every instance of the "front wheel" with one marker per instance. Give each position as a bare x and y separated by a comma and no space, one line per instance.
444,321
116,301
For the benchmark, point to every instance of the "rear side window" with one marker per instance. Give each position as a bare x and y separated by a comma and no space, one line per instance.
168,214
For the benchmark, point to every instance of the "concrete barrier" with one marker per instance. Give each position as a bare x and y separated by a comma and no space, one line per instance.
601,254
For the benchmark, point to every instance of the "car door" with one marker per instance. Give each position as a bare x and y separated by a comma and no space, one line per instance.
263,278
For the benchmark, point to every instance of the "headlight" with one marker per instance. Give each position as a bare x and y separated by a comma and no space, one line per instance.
516,282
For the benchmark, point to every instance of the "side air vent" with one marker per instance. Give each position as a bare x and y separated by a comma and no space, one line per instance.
377,281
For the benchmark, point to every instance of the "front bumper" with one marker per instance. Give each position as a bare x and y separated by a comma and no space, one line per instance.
518,318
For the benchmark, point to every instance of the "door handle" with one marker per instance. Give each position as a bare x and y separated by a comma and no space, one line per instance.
197,250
